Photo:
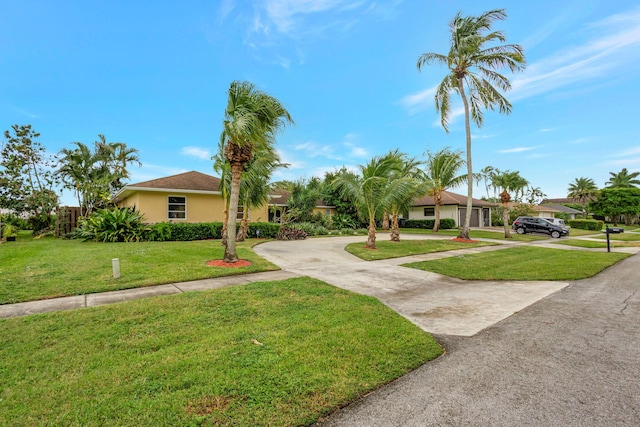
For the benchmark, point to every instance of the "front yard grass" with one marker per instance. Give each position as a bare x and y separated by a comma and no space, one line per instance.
478,234
273,353
47,268
523,263
623,237
387,249
592,244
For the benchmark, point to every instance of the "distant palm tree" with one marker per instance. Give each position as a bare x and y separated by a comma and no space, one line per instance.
583,190
623,179
508,182
411,178
441,174
473,65
251,120
373,189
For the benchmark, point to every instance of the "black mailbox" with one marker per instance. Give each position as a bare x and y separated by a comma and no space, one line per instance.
615,230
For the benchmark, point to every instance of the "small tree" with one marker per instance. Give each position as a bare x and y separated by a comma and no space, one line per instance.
614,203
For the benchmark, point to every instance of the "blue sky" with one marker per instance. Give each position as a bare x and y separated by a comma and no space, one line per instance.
154,74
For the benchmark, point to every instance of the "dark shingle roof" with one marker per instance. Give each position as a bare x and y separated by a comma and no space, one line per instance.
183,181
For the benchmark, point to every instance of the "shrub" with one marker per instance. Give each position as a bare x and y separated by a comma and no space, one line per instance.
445,223
290,233
586,224
310,229
186,231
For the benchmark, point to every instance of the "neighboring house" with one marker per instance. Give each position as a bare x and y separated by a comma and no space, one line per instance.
278,205
453,206
186,197
570,212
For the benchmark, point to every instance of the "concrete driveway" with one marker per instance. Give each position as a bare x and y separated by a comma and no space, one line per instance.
436,303
571,359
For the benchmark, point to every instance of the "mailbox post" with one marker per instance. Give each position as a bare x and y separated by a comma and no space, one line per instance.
612,230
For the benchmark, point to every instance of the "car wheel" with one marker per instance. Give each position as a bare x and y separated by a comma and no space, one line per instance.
555,234
520,230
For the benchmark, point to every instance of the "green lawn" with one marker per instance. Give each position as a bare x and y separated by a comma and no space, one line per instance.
46,268
386,249
523,263
478,234
594,244
624,237
275,353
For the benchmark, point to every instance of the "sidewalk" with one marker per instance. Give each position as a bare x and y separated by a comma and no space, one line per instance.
92,300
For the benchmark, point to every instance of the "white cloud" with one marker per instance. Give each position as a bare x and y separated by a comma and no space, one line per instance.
419,101
516,150
198,152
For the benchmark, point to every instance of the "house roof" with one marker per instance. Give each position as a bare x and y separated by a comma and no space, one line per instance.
449,198
188,182
562,208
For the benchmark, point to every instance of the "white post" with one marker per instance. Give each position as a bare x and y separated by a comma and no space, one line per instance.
115,263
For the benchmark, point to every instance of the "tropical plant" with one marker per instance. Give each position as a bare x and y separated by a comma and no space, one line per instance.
373,189
113,225
614,203
251,120
508,182
409,182
583,190
472,66
441,173
623,179
95,176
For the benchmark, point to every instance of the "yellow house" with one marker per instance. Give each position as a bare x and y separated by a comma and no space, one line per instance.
186,197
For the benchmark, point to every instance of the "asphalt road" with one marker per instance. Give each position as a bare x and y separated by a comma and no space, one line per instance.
570,359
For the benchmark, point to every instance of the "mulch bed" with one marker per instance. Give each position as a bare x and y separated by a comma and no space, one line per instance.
457,239
221,263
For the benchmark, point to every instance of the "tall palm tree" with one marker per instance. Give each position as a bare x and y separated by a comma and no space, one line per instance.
508,182
441,173
373,189
473,66
583,190
252,119
623,179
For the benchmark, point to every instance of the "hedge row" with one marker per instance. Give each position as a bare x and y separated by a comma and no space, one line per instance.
445,223
176,231
586,224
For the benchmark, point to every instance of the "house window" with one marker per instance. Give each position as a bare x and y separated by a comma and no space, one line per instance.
240,214
177,207
429,211
327,212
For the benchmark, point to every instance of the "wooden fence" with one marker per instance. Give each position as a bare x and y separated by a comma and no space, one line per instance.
66,219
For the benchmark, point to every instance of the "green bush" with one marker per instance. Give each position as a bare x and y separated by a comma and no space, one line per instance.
268,230
187,231
445,223
309,228
587,224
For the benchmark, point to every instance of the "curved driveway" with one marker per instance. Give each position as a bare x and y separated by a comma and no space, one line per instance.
572,359
436,303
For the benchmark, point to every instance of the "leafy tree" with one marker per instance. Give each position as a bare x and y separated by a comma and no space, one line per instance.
508,182
26,178
303,198
583,190
251,120
614,203
332,196
410,183
373,189
534,195
441,174
472,66
623,179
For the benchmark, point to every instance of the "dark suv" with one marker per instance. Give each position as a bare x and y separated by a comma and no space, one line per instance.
529,224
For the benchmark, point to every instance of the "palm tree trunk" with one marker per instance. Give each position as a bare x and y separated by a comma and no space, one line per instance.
464,231
438,201
505,219
395,228
371,240
385,221
230,253
224,226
